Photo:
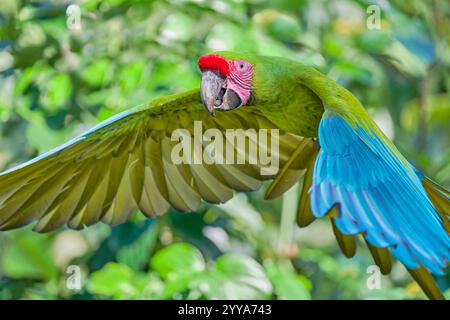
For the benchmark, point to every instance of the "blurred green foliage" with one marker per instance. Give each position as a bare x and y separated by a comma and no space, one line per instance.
56,81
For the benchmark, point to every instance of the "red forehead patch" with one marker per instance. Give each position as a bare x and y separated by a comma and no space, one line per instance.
214,62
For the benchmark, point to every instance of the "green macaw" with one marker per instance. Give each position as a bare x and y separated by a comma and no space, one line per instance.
351,172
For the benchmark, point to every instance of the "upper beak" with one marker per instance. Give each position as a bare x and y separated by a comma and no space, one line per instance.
215,94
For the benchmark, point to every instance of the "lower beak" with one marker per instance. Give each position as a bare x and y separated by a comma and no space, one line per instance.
215,95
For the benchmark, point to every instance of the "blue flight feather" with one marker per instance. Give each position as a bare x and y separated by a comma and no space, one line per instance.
378,195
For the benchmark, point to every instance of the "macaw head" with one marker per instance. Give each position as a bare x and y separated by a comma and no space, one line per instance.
226,81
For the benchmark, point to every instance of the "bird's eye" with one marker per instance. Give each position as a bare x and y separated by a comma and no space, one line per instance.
241,66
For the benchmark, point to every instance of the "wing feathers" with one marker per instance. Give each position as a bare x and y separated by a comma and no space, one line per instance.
36,199
155,196
346,242
304,214
182,195
427,283
382,258
64,206
125,163
378,195
123,203
293,170
440,199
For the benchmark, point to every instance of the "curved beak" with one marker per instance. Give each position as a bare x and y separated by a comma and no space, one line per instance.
215,94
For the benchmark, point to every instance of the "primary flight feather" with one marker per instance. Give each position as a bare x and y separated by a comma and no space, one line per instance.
351,172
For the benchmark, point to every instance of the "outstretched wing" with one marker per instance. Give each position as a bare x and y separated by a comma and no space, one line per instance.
125,163
371,190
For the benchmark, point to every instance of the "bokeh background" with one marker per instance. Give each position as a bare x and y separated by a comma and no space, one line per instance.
60,75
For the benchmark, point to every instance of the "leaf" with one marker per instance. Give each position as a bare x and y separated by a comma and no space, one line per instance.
57,92
27,255
239,277
41,137
178,27
131,75
29,75
118,281
389,294
178,265
137,254
232,276
287,284
240,208
278,25
170,75
177,260
98,73
447,294
244,270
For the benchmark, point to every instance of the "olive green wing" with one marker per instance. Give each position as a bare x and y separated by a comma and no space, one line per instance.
125,163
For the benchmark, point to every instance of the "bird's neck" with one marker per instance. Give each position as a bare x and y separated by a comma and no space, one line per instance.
292,106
